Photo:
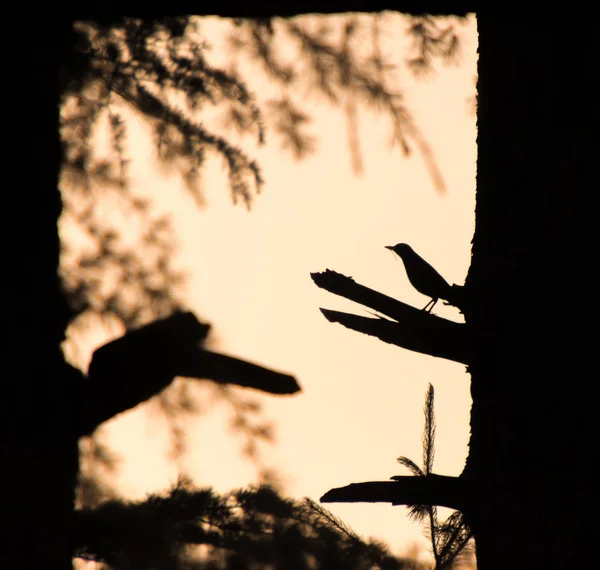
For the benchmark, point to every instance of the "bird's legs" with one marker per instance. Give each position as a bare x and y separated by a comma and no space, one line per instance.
432,303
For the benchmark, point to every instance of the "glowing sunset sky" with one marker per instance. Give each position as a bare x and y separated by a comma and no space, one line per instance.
362,400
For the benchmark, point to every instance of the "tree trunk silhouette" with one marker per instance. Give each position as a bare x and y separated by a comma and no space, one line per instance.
531,423
39,433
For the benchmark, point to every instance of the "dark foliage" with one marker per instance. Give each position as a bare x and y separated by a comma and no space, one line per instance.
449,538
422,492
246,529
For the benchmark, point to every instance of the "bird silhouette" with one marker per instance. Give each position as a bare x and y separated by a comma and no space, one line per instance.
422,276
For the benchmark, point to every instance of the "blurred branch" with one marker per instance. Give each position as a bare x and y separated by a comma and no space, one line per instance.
253,527
140,364
431,40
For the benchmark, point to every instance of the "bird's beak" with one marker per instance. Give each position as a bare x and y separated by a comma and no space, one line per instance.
389,247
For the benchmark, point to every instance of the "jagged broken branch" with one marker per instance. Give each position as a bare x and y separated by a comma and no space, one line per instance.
427,338
412,328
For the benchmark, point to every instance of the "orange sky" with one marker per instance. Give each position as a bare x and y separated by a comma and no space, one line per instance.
362,400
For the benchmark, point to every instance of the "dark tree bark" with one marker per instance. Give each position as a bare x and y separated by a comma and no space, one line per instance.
531,422
38,409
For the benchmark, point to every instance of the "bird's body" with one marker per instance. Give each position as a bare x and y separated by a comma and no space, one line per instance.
422,276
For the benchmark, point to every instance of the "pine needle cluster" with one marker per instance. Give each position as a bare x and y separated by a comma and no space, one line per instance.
449,538
255,528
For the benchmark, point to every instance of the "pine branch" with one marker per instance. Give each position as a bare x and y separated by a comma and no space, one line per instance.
411,465
429,433
450,538
253,527
336,522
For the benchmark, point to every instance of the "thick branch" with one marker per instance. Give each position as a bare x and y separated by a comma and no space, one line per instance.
226,369
143,362
433,338
415,330
346,287
433,490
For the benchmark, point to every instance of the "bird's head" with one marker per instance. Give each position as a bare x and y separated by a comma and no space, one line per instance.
400,249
